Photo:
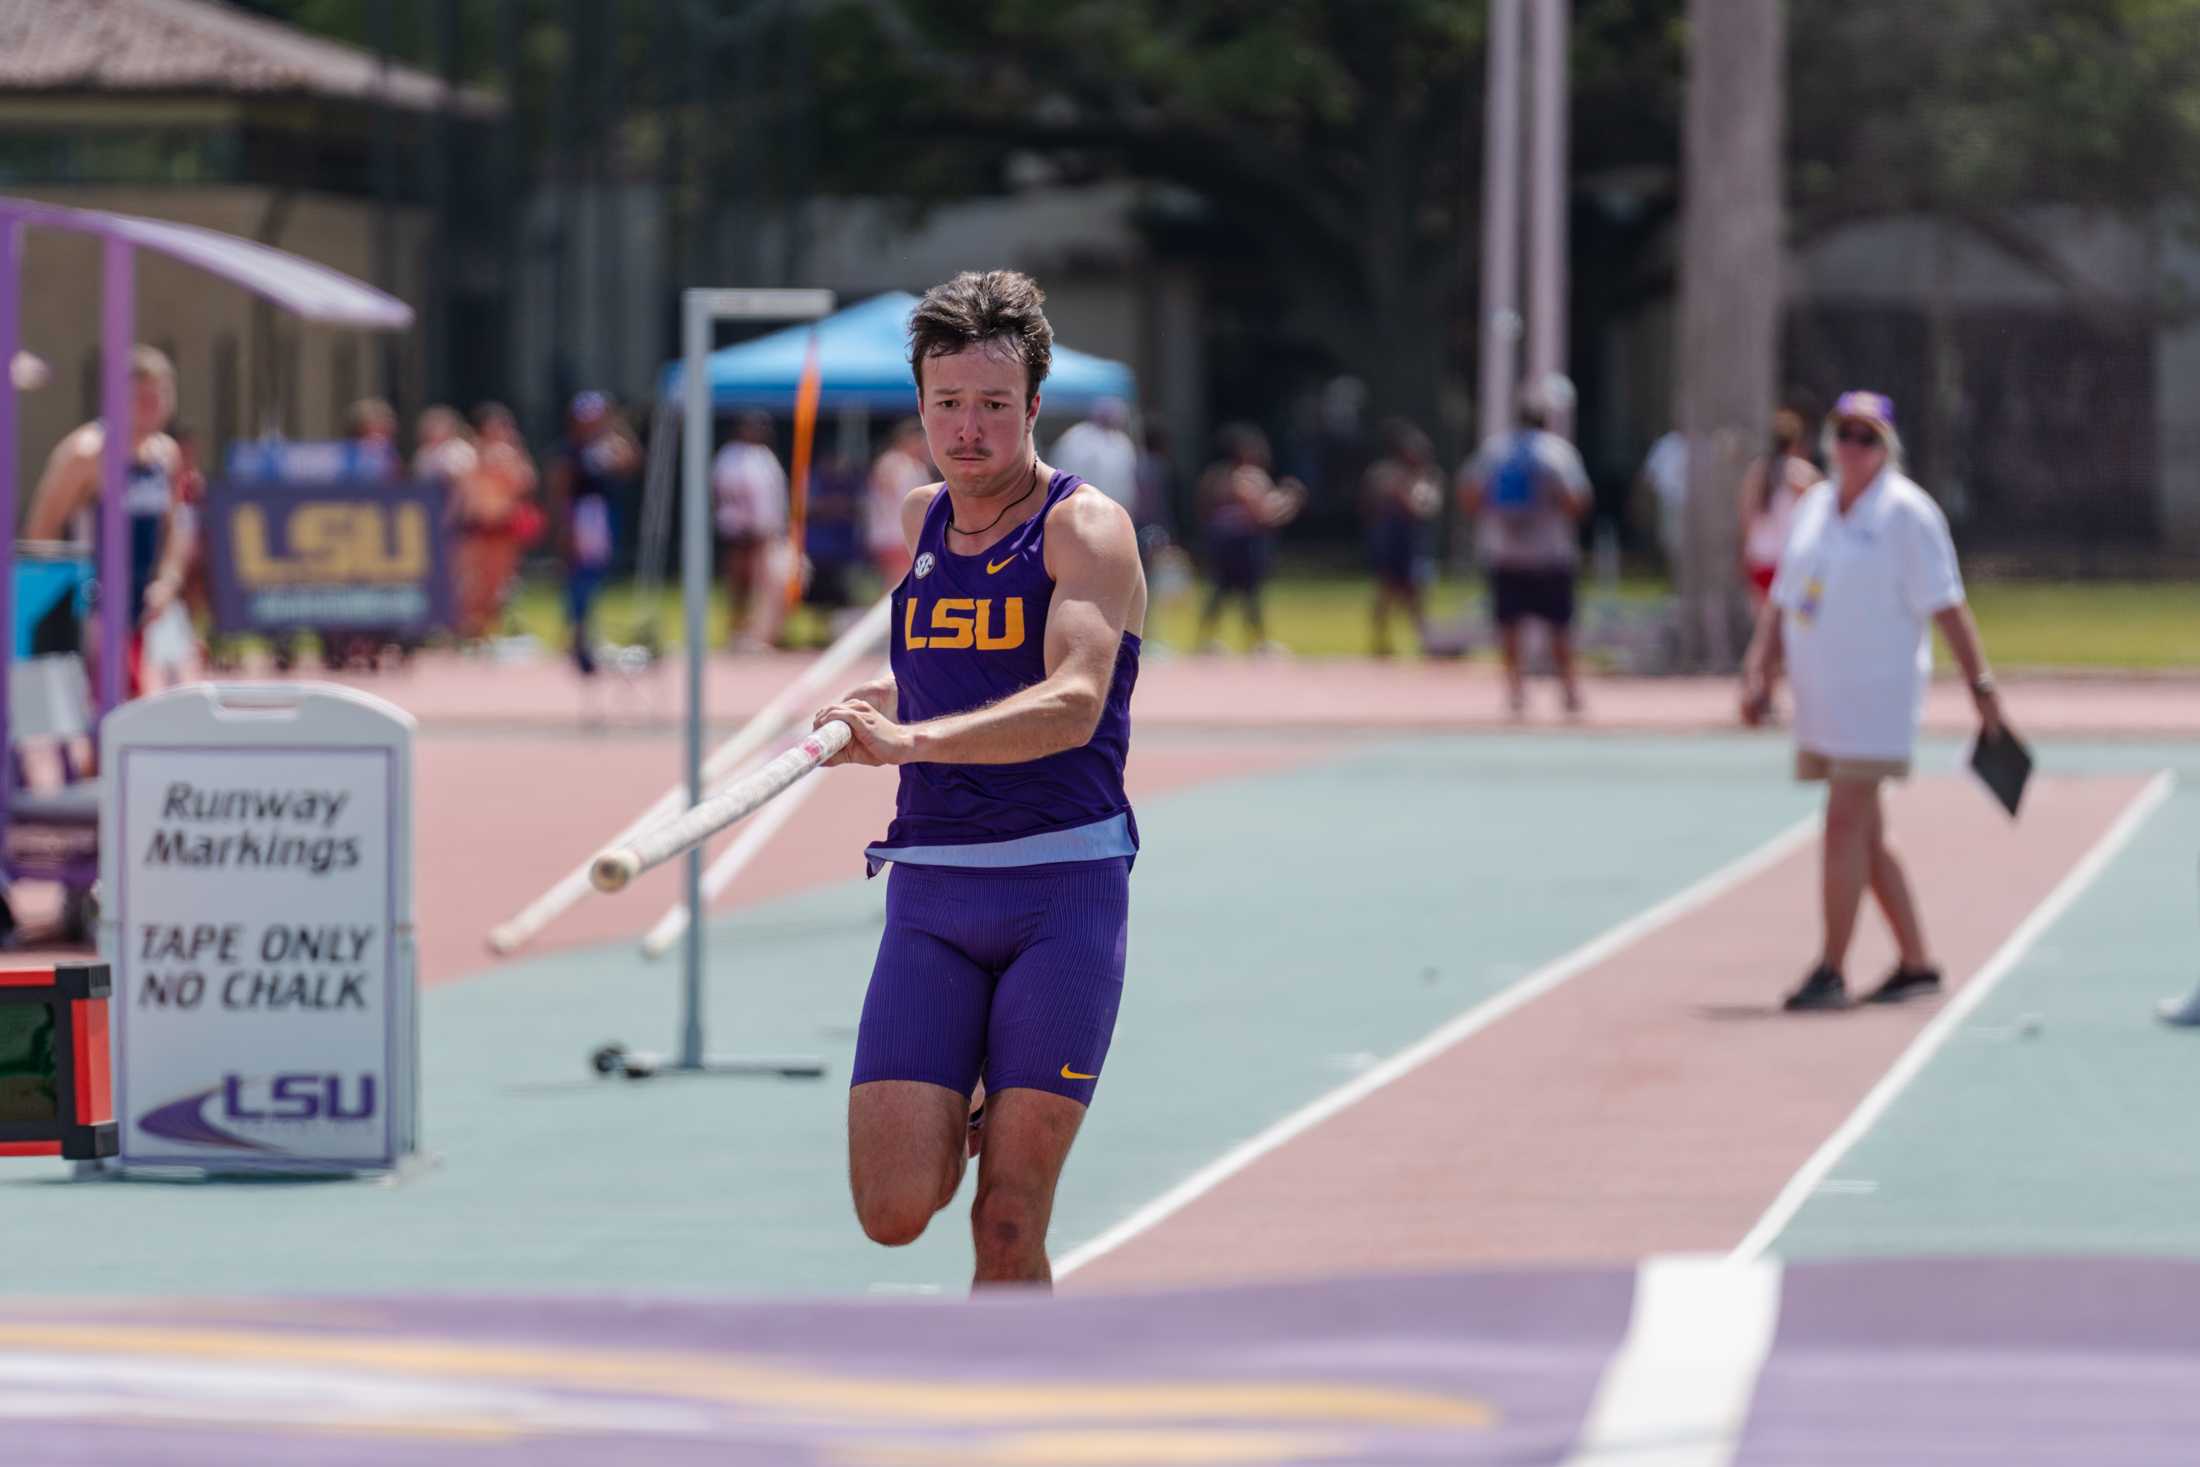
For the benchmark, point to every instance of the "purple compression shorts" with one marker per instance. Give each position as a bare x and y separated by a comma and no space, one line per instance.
1016,971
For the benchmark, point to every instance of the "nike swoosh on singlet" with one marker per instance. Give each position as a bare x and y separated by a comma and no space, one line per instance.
1070,1074
992,566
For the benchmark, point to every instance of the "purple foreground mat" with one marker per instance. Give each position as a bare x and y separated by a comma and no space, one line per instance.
2005,1362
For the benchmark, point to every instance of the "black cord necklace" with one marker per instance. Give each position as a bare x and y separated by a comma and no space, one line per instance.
1019,499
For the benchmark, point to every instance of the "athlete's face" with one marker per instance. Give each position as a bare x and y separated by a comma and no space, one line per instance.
152,402
978,418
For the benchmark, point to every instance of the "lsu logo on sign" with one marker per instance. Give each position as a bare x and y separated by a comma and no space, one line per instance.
260,1100
986,623
332,541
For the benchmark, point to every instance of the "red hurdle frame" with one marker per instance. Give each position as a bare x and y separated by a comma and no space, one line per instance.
83,1125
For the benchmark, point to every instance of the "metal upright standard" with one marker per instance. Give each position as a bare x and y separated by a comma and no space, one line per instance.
700,310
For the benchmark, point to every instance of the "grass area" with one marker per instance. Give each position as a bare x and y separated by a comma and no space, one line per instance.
2113,624
2063,624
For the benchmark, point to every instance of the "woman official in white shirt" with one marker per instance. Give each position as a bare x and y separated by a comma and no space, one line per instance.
1869,570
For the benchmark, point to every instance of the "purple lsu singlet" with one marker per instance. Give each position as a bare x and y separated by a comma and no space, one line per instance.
969,630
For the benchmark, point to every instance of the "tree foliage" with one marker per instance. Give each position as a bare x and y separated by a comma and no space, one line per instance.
1334,146
1338,146
1974,110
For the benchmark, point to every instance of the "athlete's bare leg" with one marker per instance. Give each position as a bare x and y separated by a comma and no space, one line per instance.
906,1141
1027,1138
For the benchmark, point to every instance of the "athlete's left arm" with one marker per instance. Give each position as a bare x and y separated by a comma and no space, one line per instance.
1099,593
178,536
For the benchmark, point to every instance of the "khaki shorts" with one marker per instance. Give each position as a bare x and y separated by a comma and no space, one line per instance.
1812,766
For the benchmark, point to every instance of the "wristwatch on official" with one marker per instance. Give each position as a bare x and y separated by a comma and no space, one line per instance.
1984,685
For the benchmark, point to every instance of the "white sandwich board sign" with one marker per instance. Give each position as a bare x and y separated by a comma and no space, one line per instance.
257,912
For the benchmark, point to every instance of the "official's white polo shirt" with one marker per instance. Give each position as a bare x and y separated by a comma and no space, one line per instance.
1858,592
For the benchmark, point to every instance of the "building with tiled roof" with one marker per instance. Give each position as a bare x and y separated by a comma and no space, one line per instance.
166,47
201,112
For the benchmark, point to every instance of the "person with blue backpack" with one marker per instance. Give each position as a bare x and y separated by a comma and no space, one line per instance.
1526,492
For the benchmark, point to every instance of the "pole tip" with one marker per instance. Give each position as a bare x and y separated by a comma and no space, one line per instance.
614,869
504,940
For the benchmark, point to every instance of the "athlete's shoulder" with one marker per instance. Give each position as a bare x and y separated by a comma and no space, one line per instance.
83,443
1087,524
914,506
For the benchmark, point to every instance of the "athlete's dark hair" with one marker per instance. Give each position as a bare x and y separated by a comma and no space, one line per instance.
998,305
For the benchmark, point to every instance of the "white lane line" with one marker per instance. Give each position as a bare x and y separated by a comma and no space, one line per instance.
1678,1392
1459,1028
1945,1023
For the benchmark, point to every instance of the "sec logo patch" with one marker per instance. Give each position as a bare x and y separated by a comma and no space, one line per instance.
924,565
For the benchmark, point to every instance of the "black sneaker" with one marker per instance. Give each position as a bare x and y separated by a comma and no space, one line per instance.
1905,983
1823,989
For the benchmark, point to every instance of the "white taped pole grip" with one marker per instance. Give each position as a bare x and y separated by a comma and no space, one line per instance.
614,868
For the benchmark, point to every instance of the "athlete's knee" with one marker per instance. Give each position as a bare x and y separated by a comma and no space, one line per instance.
1008,1221
894,1218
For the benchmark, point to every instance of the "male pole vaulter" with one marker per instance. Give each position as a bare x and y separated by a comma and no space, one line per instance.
1008,709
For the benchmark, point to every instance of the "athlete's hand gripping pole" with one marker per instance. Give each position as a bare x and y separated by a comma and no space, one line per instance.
615,867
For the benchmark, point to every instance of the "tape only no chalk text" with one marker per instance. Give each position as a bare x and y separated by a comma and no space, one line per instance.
216,958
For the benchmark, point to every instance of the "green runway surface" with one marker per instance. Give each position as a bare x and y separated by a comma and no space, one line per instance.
1287,930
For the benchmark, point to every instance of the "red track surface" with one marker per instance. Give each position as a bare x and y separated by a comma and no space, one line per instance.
1227,692
1655,1103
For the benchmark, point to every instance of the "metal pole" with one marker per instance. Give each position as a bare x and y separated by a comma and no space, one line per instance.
118,310
384,156
1547,245
1501,219
442,179
11,342
614,286
511,195
696,317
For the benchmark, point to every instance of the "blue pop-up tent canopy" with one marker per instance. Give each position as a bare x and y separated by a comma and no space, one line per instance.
863,355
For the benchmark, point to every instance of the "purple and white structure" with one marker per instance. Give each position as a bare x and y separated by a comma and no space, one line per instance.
306,289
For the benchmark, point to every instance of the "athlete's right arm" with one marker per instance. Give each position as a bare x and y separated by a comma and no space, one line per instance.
71,481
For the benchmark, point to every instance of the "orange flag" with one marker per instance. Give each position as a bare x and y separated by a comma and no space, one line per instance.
805,436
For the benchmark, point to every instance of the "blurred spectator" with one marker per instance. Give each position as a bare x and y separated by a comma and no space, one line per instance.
1242,508
903,468
160,532
1528,490
371,425
1869,570
596,463
1665,476
1402,493
750,491
832,530
445,449
1771,488
497,519
198,590
1156,484
1100,452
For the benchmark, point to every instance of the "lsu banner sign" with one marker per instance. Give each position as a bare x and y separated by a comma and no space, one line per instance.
256,848
343,554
